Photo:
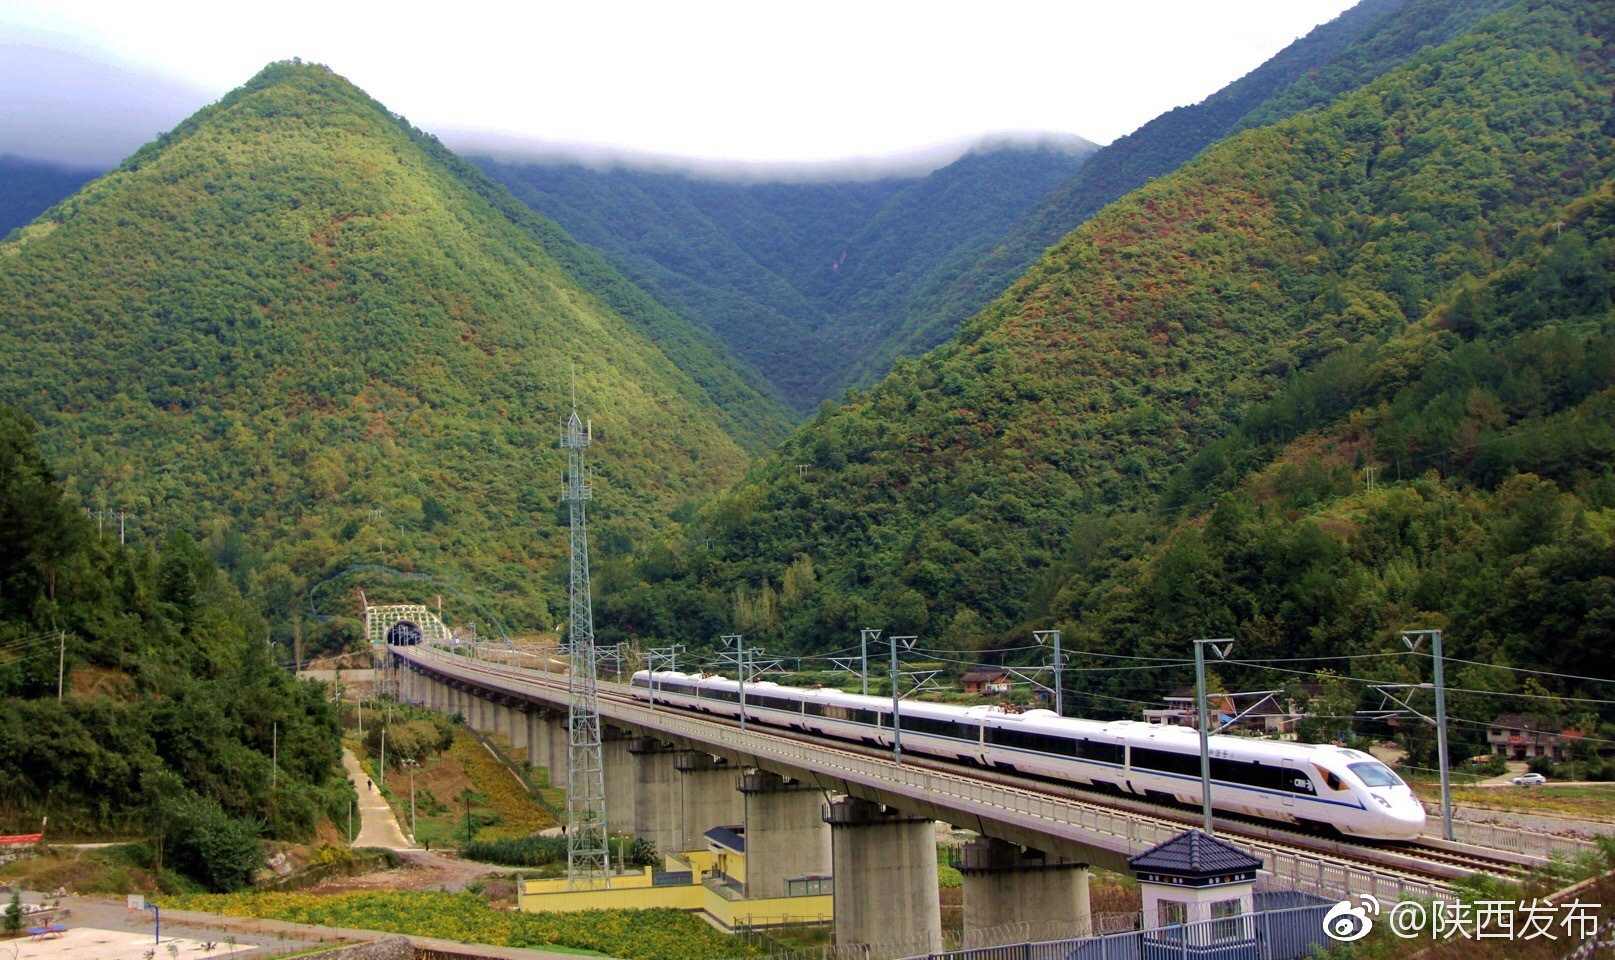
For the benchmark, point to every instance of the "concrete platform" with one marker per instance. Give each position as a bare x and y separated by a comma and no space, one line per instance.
91,943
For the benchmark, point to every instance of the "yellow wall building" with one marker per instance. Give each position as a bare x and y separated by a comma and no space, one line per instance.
709,882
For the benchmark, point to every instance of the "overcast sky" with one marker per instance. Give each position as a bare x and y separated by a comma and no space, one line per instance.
752,80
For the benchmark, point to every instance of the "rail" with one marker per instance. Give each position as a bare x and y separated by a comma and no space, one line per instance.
1079,821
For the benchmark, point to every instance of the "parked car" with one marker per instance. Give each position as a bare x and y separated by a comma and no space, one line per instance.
1530,780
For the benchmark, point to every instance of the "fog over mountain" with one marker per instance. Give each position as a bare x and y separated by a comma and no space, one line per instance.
66,104
909,163
81,109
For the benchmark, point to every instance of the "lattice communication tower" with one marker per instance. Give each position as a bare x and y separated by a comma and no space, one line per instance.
587,863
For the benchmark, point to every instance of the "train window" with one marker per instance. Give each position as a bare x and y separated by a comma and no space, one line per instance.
1250,774
1166,761
639,682
849,714
812,709
730,696
940,728
1375,774
1100,752
1038,742
773,703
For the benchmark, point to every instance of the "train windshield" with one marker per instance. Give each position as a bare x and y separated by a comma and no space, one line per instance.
1376,774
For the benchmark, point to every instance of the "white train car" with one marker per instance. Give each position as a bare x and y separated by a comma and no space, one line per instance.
1346,790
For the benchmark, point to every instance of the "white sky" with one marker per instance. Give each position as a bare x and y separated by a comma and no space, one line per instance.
752,80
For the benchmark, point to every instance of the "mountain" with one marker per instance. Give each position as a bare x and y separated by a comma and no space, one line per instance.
957,498
1366,41
30,187
1456,475
306,332
793,274
156,711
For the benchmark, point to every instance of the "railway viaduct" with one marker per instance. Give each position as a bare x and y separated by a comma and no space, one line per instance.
816,808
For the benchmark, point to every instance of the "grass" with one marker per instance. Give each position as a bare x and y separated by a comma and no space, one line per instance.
118,870
1584,802
465,917
500,805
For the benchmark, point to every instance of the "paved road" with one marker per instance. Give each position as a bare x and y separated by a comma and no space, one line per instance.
378,829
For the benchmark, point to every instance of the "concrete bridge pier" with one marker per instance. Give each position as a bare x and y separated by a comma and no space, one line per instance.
557,734
516,724
786,835
617,770
537,741
1012,894
885,879
707,798
656,793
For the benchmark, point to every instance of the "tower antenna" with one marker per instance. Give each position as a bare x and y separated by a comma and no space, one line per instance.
587,858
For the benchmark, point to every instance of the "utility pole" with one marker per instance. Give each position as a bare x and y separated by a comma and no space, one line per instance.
1205,729
381,770
864,636
411,764
655,658
907,643
1415,639
274,755
61,660
737,641
1057,668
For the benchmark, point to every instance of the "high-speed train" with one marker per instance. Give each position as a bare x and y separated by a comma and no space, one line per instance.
1347,790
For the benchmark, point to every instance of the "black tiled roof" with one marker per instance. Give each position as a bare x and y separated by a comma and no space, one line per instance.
1194,854
729,837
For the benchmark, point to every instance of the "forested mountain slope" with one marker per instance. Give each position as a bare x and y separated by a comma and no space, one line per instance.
792,275
171,711
1371,38
1488,430
304,328
947,500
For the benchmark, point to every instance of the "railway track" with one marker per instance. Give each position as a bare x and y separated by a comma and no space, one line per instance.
1425,860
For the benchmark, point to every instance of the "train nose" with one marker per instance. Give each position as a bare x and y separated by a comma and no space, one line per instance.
1402,812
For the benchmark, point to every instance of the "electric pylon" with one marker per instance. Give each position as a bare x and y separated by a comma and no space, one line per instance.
587,856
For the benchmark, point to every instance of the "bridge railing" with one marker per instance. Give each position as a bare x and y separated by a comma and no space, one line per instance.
1117,830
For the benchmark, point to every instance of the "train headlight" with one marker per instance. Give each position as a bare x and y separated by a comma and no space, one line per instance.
1382,801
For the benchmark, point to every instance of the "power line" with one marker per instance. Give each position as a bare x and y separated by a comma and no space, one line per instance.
1539,673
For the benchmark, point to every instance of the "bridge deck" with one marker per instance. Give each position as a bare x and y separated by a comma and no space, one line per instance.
1060,826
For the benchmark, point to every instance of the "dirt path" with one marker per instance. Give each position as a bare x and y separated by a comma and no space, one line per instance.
378,828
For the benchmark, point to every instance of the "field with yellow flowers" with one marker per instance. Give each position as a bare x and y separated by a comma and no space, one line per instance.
629,934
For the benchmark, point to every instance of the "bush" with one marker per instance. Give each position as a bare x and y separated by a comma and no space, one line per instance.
1541,765
949,878
219,851
532,851
13,920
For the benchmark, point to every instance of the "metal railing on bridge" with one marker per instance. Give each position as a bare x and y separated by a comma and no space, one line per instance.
1118,830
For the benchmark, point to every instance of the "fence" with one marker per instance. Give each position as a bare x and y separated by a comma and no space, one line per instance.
1530,843
1288,934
